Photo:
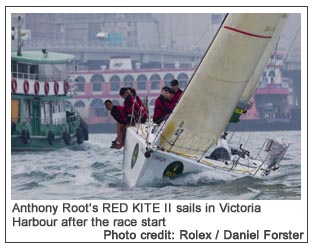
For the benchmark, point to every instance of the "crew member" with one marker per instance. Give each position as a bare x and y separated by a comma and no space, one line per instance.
132,110
121,123
143,110
163,106
177,91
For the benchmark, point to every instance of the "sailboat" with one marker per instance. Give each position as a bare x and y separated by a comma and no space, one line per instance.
192,139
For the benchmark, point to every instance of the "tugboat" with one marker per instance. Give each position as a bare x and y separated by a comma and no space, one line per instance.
41,118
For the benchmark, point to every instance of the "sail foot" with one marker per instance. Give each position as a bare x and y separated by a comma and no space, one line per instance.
180,144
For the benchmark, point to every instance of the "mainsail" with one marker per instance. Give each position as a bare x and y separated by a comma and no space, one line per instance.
205,108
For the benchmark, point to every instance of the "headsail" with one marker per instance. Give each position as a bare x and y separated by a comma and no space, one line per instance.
244,101
254,81
218,83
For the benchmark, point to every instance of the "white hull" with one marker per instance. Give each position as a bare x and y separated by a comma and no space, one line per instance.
140,170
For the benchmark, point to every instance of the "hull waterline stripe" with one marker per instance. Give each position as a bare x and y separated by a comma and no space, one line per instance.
246,33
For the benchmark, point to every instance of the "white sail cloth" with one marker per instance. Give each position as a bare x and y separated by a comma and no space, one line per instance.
254,80
218,83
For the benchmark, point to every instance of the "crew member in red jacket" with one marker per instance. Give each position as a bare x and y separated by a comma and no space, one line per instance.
177,91
144,112
121,123
163,105
132,110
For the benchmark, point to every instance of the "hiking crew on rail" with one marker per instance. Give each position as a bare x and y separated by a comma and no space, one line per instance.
134,111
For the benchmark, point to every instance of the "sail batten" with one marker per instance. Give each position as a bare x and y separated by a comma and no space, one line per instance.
218,83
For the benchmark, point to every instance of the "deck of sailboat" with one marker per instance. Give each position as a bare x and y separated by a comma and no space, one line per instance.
252,167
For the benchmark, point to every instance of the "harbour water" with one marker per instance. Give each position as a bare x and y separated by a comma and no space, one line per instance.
93,171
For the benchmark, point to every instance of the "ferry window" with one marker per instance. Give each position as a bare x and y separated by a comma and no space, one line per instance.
14,68
80,83
115,83
22,70
128,81
33,72
79,104
141,80
62,106
97,81
182,79
67,106
57,107
97,108
46,114
115,86
168,78
97,86
97,78
155,82
27,108
271,75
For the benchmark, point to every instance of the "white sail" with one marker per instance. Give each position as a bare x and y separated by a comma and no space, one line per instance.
218,83
254,81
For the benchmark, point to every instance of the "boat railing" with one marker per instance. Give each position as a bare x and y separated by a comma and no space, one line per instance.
271,153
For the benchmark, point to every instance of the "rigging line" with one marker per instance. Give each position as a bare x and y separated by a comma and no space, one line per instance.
247,140
243,129
275,59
